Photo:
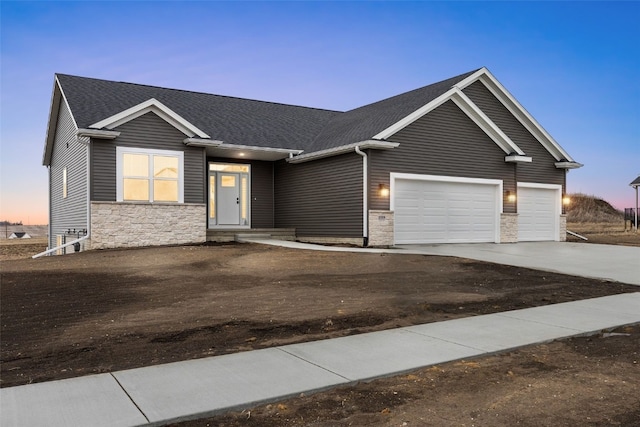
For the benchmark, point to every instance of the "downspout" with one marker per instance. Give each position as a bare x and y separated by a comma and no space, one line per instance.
87,144
49,237
89,189
365,199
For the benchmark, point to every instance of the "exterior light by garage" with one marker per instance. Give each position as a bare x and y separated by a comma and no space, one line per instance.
511,196
383,190
566,200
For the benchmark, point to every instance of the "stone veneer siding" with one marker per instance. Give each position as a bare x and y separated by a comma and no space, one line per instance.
508,228
563,228
381,228
132,224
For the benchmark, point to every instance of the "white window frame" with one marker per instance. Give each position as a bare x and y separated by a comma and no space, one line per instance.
65,183
120,151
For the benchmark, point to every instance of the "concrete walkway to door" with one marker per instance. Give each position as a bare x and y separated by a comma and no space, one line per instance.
609,262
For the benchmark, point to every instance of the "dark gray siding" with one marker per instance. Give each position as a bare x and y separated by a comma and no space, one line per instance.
542,168
261,191
151,132
68,151
320,198
443,142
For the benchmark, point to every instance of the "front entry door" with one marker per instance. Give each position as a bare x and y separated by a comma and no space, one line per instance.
228,198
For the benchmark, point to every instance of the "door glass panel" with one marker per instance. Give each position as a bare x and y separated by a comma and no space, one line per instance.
228,180
228,168
243,199
212,197
135,165
136,189
165,167
165,191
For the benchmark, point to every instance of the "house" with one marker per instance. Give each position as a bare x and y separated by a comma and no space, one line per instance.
19,235
456,161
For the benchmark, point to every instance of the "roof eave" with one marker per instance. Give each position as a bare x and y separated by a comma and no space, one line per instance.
565,164
98,133
54,108
343,149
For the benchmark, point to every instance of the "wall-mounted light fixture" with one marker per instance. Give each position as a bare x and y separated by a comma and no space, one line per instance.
383,190
566,200
510,195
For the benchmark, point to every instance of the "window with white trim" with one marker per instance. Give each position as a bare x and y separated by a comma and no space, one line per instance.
145,175
64,183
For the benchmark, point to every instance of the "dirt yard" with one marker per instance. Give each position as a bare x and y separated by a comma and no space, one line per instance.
109,310
604,233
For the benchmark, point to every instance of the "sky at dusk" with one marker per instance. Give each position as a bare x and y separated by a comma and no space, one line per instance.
575,66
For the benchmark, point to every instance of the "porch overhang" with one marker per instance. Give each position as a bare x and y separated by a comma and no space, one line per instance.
249,152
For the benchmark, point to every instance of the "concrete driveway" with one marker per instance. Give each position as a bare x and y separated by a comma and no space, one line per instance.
609,262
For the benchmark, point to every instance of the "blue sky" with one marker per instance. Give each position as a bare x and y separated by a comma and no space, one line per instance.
573,65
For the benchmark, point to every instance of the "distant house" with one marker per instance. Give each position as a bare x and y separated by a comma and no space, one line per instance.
19,235
456,161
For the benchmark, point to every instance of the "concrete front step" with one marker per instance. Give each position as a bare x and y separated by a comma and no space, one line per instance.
232,234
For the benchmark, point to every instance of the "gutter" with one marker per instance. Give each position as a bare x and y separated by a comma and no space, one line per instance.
343,149
365,201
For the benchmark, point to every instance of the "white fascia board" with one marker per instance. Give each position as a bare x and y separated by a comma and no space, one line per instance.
472,78
57,98
568,165
363,145
484,122
201,142
157,107
469,108
398,126
98,133
517,159
523,116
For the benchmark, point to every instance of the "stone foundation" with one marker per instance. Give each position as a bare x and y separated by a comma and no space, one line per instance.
381,228
563,228
508,228
124,224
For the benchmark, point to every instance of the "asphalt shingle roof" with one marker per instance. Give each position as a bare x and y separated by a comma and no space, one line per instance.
249,122
364,122
231,120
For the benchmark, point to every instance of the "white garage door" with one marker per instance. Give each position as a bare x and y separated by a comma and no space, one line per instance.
538,214
444,212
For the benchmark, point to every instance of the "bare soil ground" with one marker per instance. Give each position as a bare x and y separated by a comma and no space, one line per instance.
102,311
604,233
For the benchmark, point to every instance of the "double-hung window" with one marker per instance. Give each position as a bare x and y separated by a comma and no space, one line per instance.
145,175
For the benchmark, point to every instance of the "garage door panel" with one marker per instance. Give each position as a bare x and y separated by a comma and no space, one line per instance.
444,212
537,214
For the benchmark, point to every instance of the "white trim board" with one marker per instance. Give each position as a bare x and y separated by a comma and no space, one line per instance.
154,106
520,113
469,108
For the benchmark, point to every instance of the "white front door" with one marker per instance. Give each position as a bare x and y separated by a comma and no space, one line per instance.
229,195
228,199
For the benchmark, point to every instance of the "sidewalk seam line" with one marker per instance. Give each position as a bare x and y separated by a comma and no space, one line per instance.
482,350
130,398
314,364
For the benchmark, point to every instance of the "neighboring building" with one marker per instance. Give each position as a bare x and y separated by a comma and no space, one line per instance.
456,161
19,235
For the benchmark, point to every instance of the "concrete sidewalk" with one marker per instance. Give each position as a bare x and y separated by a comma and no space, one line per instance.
161,394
